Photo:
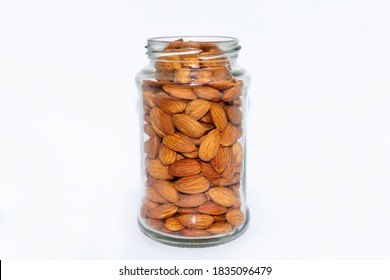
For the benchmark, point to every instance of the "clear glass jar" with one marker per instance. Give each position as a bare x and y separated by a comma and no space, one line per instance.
193,103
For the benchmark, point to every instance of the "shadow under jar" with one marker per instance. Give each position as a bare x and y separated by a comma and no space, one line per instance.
193,103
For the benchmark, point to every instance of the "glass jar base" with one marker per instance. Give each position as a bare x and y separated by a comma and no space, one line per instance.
194,242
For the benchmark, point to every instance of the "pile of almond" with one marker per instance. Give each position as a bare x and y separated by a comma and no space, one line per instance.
193,126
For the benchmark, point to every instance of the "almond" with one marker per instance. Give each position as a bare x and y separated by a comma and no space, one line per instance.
234,114
162,120
192,185
235,217
190,61
222,196
153,196
222,182
202,76
208,93
209,172
195,233
182,75
233,92
208,127
168,63
198,141
173,224
228,173
146,108
149,130
154,223
166,155
206,119
147,118
220,73
179,143
197,108
237,102
180,91
168,104
192,200
148,204
157,170
163,211
230,134
237,154
166,190
218,116
193,154
188,125
157,130
148,95
209,146
220,228
222,84
219,218
222,159
185,167
187,210
196,221
158,84
212,208
152,146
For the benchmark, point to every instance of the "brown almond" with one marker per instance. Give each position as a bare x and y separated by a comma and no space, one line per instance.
233,92
192,185
158,84
187,210
209,147
180,91
148,204
222,159
182,75
148,95
229,171
218,116
173,224
168,63
234,114
154,223
235,217
185,167
146,108
196,221
222,182
166,190
163,211
212,208
237,154
179,143
149,130
194,233
152,195
166,155
197,108
230,134
208,93
147,118
168,104
188,125
198,141
162,120
219,218
191,200
179,157
152,146
220,228
190,61
209,172
157,170
192,155
202,76
222,84
157,130
222,196
206,119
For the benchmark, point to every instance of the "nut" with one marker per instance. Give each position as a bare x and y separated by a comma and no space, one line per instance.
197,108
166,190
222,196
196,221
192,200
218,116
192,185
179,143
157,170
180,91
235,217
188,125
163,211
185,167
209,147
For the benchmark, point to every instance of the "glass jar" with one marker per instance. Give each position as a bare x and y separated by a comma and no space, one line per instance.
192,113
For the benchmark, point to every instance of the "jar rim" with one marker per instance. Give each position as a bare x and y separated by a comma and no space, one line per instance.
202,39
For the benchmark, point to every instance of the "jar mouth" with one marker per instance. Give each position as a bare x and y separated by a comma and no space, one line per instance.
187,45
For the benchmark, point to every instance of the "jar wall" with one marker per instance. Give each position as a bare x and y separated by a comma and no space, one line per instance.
192,119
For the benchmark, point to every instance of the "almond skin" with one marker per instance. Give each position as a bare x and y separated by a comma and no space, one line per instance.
235,217
154,223
218,116
168,104
163,211
185,167
148,95
157,170
208,93
166,155
162,120
195,233
222,196
212,208
192,200
222,182
188,125
153,196
180,91
192,185
152,147
222,84
166,190
209,172
197,108
196,221
179,143
220,228
237,154
182,75
209,147
233,92
173,224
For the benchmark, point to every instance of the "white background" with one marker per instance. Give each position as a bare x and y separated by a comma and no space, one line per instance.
318,130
